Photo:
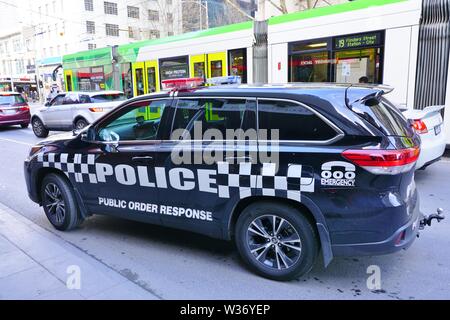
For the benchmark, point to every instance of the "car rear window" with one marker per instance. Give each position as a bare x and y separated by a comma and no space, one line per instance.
293,122
11,99
110,97
385,116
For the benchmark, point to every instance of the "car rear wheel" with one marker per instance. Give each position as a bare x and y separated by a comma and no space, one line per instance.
80,124
24,125
276,241
59,203
39,129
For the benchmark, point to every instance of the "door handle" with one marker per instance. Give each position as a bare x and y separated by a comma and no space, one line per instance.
146,159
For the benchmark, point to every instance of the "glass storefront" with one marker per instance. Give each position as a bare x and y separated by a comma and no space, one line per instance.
344,59
237,63
174,68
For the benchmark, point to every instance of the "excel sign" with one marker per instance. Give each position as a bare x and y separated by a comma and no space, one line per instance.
358,41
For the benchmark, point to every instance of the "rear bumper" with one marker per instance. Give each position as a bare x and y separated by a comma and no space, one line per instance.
431,150
402,238
18,118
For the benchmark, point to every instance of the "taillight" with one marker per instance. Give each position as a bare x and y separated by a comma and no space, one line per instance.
96,109
420,126
22,106
387,162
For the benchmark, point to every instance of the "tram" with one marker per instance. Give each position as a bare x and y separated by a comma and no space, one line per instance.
370,41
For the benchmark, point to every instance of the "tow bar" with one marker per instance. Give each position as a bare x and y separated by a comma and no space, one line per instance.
426,221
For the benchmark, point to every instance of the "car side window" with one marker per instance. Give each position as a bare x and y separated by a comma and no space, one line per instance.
206,113
293,122
71,99
58,100
84,98
143,122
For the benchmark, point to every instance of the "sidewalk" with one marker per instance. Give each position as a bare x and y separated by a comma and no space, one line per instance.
34,265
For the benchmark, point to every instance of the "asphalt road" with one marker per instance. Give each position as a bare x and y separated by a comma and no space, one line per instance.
179,265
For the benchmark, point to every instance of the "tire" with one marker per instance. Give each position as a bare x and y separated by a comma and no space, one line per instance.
80,124
39,129
24,125
59,203
270,260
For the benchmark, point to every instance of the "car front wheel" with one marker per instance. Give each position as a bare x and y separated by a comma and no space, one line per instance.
276,241
59,203
39,129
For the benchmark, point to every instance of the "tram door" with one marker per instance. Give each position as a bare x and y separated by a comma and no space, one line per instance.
198,66
68,76
139,79
152,74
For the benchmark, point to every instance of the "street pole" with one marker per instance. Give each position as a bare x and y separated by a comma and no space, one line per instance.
201,13
260,46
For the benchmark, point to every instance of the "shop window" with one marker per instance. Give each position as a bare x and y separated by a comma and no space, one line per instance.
237,63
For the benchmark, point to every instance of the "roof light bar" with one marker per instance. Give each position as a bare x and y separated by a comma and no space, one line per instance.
217,81
182,83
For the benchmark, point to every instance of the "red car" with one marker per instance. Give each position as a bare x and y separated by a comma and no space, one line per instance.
14,110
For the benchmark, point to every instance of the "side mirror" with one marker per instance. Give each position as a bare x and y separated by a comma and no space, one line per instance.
47,104
87,135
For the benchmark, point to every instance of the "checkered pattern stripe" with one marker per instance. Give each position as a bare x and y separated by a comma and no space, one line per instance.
77,166
267,183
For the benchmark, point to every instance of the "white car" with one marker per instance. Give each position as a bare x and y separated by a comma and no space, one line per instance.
74,110
428,124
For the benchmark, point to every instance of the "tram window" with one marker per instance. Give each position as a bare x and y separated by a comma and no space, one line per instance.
140,81
237,63
199,70
351,65
309,67
151,76
216,68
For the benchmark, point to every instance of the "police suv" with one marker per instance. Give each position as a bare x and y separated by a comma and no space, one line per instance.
286,171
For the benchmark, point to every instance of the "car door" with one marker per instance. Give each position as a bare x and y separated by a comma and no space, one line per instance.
207,175
126,180
49,114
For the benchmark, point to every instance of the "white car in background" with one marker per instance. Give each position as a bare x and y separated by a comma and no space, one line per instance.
74,110
428,124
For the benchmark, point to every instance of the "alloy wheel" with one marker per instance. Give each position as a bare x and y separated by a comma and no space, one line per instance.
54,203
274,242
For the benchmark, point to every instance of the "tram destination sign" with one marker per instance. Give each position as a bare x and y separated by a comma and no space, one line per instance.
358,41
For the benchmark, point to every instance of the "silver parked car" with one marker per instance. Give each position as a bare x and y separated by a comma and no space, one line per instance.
74,110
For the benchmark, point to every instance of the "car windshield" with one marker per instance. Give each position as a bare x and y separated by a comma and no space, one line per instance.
109,97
11,99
